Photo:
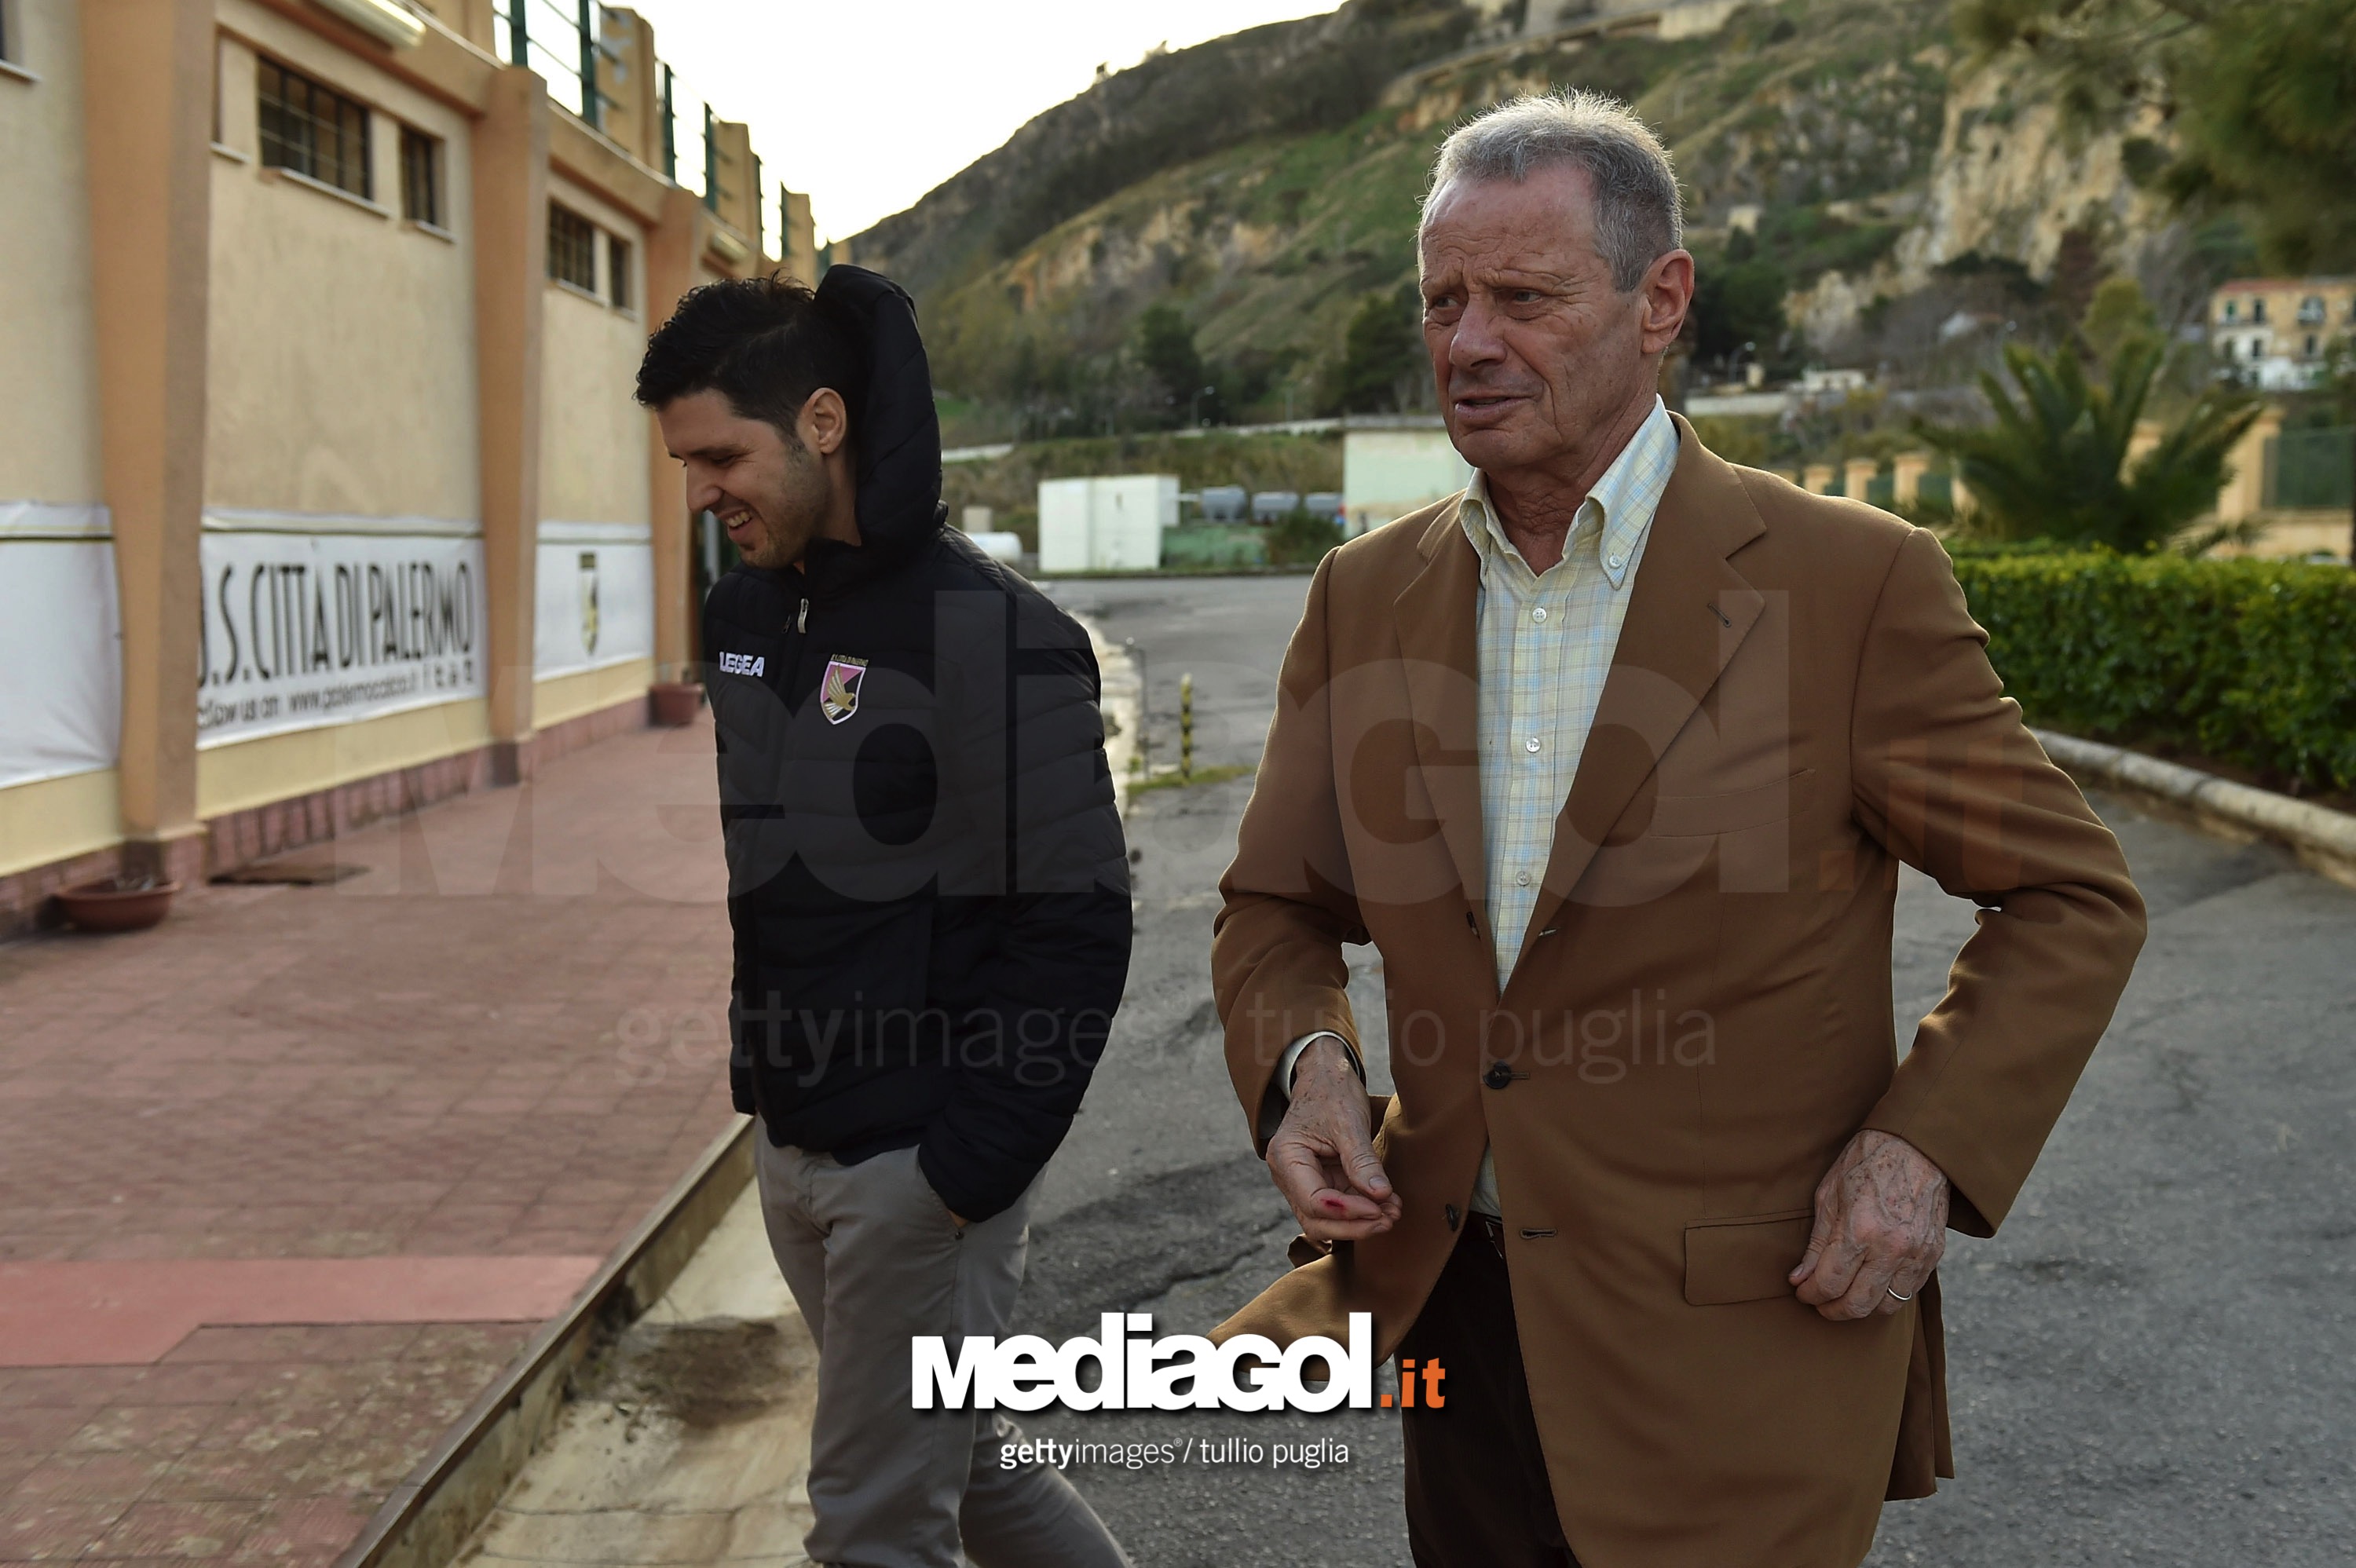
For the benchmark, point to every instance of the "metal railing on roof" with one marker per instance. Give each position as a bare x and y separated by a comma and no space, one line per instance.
562,40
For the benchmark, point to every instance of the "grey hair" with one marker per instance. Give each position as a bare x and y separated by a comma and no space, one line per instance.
1640,215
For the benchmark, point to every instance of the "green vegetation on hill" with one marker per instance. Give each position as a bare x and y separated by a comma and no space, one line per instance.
1272,229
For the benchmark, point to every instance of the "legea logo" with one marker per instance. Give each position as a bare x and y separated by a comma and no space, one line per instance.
1180,1371
741,664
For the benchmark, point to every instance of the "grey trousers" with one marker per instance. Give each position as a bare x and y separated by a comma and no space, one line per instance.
873,1257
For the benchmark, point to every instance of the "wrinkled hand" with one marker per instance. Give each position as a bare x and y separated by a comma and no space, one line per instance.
1881,1225
1322,1156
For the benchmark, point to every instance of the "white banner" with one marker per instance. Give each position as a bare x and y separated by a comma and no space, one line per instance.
303,630
61,697
595,600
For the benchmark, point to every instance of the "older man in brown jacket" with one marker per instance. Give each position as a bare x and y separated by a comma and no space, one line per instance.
1614,757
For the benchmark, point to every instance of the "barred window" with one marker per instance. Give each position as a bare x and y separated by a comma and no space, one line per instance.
421,177
617,271
314,131
571,248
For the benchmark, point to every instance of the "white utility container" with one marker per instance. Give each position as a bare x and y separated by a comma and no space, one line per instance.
1111,523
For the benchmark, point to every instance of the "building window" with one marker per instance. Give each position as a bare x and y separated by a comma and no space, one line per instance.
2232,310
617,271
421,177
571,248
2312,345
2258,310
2310,310
313,131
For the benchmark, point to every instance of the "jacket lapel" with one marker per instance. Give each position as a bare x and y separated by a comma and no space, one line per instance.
1439,647
1690,612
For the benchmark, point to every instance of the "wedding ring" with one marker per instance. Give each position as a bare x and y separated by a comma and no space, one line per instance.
1895,1296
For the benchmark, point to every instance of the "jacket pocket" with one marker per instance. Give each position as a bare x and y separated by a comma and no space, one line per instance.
1748,1258
1694,815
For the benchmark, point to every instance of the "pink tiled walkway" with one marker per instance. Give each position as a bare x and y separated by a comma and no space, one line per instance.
502,1042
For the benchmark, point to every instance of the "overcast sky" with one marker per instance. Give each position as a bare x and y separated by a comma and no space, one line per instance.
867,106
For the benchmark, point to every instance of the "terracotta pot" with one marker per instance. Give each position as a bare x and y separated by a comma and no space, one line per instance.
674,702
102,906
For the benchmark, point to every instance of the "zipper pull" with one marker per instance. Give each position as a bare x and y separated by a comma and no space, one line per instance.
801,616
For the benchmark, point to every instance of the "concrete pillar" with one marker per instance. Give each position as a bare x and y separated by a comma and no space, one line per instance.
630,77
672,249
148,87
1856,474
1906,471
797,247
1817,478
510,152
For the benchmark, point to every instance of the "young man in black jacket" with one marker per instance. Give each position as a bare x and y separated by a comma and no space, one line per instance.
927,883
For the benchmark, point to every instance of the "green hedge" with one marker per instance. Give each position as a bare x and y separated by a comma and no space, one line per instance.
2248,662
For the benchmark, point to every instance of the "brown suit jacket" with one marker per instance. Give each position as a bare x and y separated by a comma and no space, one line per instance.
1700,1015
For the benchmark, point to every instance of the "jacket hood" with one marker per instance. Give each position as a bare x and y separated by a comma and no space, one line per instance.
894,430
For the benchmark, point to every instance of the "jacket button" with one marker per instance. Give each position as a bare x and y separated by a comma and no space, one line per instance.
1498,1075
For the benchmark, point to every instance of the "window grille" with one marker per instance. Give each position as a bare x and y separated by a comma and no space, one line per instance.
571,248
421,177
617,271
312,130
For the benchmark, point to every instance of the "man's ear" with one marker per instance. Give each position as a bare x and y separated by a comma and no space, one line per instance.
824,423
1667,289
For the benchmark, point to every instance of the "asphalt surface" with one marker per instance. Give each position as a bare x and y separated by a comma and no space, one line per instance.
2153,1363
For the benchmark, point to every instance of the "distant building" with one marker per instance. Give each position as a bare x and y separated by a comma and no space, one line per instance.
1390,470
2279,331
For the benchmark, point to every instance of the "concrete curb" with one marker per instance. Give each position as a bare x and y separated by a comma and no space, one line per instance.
1124,708
2323,839
433,1512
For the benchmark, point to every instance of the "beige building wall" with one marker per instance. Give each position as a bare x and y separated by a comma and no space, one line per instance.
49,442
594,435
342,369
593,453
342,336
281,358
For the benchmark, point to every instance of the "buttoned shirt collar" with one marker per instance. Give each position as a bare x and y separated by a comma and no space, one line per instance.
1609,523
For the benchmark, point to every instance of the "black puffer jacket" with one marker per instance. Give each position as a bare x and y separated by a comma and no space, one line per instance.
926,876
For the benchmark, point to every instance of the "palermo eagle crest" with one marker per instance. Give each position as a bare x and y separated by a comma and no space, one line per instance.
838,694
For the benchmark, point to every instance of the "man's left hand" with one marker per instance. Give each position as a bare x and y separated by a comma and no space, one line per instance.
1881,1225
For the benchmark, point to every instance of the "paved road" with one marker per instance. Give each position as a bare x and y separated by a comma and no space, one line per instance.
2154,1363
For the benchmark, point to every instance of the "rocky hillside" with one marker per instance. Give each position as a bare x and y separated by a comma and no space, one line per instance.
1858,195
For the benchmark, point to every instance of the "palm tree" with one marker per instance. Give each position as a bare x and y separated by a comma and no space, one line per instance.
2055,465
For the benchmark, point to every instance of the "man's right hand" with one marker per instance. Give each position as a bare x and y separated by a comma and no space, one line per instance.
1322,1156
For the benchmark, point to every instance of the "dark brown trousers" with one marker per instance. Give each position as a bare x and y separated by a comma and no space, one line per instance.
1477,1493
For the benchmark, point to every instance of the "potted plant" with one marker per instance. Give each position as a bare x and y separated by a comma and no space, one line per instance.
117,903
674,702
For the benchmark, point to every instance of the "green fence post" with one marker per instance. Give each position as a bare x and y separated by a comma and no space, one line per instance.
589,104
711,164
671,130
